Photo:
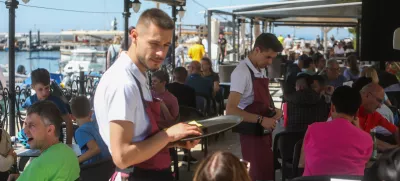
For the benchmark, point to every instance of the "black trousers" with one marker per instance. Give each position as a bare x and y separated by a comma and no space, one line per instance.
221,56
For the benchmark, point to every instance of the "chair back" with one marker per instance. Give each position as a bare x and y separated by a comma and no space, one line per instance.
394,98
189,113
101,170
329,178
285,142
296,158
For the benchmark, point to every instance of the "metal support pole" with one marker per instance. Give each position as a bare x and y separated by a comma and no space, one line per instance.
263,27
238,47
11,6
30,40
251,33
270,26
81,83
234,36
126,15
209,14
38,37
173,37
358,28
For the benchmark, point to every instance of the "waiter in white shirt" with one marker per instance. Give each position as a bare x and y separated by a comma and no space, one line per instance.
126,113
250,98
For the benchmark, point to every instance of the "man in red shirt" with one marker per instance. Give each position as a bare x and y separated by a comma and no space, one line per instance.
372,98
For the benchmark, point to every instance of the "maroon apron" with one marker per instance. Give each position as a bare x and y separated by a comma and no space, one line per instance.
156,168
255,145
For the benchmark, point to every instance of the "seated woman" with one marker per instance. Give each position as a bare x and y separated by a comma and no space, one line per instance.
7,155
337,147
222,166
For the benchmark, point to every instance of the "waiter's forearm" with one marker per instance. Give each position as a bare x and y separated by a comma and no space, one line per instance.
135,153
247,117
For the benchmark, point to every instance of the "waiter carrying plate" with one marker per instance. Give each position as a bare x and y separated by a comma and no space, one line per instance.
250,98
127,115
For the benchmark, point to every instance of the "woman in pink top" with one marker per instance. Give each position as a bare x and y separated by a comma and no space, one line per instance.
338,147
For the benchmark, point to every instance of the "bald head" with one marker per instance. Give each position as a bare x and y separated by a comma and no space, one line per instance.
195,67
372,87
372,96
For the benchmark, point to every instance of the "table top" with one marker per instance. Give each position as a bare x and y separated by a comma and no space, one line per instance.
23,152
225,83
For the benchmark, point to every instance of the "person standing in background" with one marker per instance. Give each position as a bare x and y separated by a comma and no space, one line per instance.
196,51
222,48
113,51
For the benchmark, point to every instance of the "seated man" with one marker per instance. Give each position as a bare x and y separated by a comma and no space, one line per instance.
41,86
87,136
197,82
185,94
337,147
332,75
308,67
372,96
305,106
57,161
168,102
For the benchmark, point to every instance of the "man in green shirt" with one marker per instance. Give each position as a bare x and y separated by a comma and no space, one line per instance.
57,161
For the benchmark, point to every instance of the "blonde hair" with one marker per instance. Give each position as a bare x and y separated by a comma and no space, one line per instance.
370,72
117,40
221,166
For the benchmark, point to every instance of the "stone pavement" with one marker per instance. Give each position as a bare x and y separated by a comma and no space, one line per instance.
227,142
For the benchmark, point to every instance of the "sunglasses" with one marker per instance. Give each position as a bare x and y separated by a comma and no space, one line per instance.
380,101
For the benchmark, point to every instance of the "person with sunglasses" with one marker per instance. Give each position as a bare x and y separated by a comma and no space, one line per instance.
373,98
41,85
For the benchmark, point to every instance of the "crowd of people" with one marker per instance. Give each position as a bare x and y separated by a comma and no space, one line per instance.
135,124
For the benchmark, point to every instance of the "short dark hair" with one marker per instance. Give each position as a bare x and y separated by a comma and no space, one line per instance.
307,62
316,57
266,41
319,79
80,107
41,76
346,100
180,74
162,76
49,114
303,57
157,17
361,82
304,79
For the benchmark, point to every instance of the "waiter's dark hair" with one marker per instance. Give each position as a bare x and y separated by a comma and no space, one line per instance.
346,100
157,17
221,166
268,41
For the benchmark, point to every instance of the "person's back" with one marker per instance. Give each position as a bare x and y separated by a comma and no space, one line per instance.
196,52
200,84
57,163
336,147
185,94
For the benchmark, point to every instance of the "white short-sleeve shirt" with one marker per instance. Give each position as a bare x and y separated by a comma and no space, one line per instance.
117,97
241,81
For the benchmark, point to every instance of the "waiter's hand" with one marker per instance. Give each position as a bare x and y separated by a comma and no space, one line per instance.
182,130
269,123
278,114
188,144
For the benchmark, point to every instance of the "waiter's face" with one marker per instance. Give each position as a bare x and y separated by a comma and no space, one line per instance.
151,43
264,57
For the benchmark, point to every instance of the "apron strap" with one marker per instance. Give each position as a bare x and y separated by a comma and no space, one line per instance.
253,78
140,90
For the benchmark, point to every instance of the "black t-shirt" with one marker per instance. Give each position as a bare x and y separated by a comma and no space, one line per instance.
222,43
186,95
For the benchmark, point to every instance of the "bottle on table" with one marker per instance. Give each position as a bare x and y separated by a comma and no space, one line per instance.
375,149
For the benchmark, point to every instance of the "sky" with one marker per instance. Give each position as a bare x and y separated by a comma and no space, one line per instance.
28,18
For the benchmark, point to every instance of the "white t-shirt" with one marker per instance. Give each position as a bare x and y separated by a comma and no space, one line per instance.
118,98
338,51
241,82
